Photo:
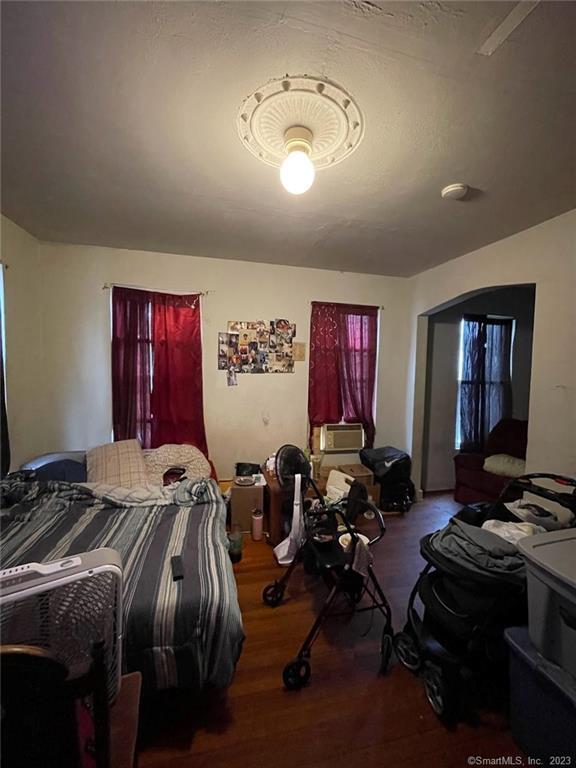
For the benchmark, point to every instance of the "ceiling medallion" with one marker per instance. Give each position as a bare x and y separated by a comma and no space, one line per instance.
302,124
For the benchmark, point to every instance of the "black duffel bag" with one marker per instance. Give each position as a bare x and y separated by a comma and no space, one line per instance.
392,469
388,464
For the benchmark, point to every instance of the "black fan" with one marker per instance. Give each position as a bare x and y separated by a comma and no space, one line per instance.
291,461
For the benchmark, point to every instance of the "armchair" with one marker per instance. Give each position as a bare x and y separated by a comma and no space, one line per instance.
473,483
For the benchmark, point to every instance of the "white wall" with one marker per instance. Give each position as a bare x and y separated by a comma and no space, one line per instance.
58,340
544,255
440,411
25,392
247,422
442,374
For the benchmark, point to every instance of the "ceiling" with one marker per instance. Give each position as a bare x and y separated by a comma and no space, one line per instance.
118,127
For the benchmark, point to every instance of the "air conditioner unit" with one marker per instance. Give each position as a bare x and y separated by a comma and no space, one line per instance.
341,438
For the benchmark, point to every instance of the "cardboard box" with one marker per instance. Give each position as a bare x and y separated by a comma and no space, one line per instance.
358,472
244,499
325,470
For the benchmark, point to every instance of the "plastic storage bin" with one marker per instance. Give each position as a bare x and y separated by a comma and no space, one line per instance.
542,702
551,572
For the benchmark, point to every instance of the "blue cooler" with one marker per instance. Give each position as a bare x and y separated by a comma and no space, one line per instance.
542,702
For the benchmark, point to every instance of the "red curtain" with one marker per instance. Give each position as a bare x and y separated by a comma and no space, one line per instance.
131,356
343,344
324,396
177,401
358,338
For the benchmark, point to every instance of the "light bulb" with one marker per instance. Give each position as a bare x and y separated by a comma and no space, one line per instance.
297,172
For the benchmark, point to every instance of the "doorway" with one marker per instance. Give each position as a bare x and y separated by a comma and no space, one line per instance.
441,433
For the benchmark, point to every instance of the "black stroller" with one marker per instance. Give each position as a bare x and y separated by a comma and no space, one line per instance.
321,553
457,645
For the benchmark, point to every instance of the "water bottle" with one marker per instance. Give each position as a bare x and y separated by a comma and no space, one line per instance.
257,520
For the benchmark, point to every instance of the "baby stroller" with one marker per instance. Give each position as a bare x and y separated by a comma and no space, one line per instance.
346,572
472,587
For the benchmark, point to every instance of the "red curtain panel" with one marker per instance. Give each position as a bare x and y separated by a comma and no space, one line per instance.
131,356
177,400
358,339
324,397
342,372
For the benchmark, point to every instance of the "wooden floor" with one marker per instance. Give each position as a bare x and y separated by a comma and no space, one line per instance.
347,716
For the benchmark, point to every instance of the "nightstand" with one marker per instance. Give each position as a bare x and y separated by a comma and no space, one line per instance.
244,499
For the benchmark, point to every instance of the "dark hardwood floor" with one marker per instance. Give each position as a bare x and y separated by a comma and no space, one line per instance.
347,716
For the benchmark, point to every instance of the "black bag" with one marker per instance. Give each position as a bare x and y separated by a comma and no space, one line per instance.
388,464
392,469
245,468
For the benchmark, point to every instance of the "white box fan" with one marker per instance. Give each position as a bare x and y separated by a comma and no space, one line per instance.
67,607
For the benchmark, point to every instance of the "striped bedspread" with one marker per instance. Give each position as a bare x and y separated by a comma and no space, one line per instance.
186,633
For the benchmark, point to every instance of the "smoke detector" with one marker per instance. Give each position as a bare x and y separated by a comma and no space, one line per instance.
301,124
454,191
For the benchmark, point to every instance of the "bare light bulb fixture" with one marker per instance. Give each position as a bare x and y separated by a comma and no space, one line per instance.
301,124
297,171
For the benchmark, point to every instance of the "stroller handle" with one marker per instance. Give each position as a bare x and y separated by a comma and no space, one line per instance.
524,483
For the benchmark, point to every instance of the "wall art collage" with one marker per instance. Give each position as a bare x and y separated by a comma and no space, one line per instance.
256,346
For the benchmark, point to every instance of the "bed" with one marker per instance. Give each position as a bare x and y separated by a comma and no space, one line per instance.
179,634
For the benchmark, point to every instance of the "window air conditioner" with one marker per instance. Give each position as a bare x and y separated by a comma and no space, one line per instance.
341,438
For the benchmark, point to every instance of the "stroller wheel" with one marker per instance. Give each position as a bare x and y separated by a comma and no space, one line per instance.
438,691
385,652
273,594
296,674
407,651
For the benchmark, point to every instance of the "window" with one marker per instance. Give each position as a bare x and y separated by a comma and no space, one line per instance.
484,378
343,351
157,368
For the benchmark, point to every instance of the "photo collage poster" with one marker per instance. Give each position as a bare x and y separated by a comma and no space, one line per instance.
255,346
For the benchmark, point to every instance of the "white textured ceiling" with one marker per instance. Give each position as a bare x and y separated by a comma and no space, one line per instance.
118,126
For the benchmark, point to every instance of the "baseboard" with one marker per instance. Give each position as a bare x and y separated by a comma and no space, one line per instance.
441,492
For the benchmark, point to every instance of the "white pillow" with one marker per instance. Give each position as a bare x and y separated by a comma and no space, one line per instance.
160,460
504,465
120,463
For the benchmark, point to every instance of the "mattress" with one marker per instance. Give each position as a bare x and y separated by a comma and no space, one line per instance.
178,634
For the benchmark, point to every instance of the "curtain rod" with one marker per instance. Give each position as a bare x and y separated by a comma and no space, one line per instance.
355,303
180,292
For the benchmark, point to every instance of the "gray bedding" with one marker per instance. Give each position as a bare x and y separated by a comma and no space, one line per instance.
186,633
479,551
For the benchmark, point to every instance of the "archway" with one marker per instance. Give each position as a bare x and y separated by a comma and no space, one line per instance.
436,374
